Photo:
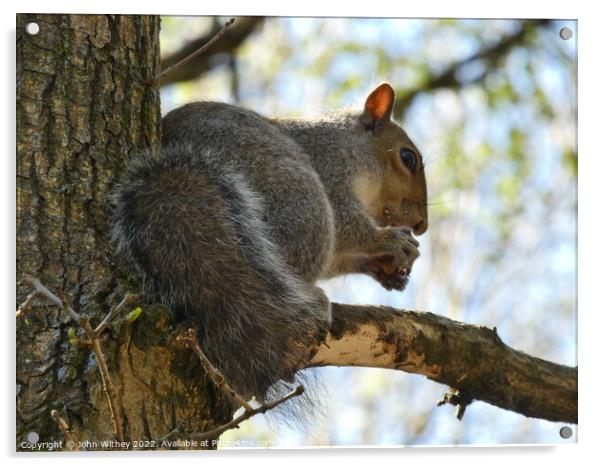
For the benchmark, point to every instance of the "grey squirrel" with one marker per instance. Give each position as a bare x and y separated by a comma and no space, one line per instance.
239,215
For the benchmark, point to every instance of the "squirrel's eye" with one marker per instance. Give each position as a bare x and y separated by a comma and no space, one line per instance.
408,158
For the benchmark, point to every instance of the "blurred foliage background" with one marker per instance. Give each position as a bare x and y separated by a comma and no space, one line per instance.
492,105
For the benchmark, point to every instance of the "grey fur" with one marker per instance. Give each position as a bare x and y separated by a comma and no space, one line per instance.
236,219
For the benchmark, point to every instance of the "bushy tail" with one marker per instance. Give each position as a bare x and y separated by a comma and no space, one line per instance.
196,231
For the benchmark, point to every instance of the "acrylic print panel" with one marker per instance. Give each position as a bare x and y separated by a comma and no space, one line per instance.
106,363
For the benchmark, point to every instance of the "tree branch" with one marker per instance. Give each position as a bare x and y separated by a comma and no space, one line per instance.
220,381
472,360
448,78
227,44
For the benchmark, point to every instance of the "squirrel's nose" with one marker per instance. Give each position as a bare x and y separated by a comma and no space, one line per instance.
420,227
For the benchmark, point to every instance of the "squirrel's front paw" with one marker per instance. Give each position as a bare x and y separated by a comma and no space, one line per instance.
389,276
392,268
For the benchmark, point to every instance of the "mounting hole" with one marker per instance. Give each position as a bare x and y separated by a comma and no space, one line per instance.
566,432
566,33
32,28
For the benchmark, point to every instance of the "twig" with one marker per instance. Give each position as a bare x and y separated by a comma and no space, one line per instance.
234,423
456,398
26,305
228,44
197,52
41,290
220,381
64,427
127,300
93,341
247,415
190,339
167,436
107,382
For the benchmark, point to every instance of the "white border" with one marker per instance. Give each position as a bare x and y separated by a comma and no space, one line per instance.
590,234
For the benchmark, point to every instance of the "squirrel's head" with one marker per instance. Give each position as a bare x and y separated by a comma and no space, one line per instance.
396,194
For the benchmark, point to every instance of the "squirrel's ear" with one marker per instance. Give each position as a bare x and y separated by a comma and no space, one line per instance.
379,105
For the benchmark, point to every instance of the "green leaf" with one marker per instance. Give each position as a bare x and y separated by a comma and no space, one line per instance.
132,316
72,336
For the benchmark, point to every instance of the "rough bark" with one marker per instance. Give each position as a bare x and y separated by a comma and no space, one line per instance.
82,109
469,358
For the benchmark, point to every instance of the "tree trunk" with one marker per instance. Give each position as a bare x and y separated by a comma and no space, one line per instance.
84,105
